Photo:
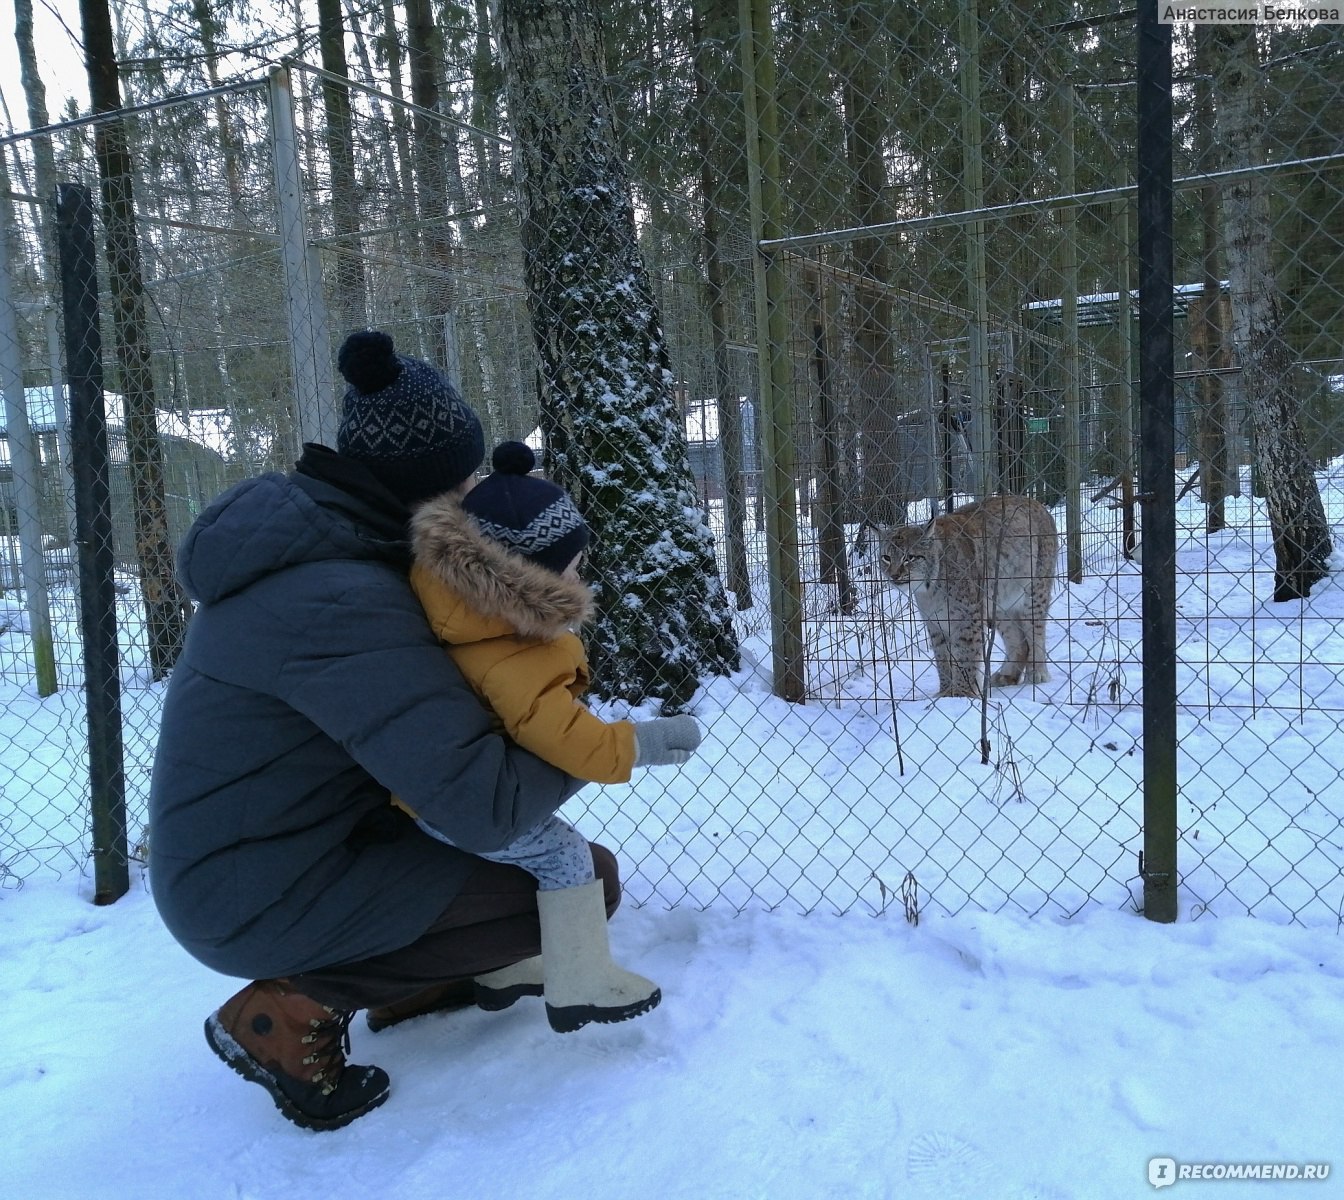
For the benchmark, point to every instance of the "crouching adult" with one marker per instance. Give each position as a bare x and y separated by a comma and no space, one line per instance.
310,690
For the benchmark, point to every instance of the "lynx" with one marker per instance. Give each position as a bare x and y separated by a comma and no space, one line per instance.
989,564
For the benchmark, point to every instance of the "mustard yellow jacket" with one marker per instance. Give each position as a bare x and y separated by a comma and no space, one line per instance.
509,625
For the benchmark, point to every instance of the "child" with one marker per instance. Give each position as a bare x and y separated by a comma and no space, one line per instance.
496,570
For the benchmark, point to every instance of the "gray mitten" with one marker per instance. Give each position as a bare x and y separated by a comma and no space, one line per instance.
665,740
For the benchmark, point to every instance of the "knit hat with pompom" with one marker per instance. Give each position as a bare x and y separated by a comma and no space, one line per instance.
528,516
404,421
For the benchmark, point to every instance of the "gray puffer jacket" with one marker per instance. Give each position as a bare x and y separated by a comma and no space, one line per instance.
311,687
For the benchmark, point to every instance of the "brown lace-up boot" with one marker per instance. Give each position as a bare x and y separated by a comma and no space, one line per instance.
295,1048
443,997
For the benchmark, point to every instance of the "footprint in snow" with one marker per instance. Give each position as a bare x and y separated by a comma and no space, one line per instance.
946,1166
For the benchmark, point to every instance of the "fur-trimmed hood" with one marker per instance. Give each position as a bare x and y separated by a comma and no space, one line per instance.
499,592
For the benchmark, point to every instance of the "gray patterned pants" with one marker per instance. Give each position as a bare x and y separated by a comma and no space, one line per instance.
554,851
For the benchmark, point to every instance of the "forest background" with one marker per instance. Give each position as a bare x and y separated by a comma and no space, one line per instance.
757,279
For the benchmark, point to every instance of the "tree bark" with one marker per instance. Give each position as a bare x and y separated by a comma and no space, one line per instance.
865,124
1297,521
615,439
351,300
44,158
712,28
400,119
167,610
206,23
430,150
485,85
393,182
1205,317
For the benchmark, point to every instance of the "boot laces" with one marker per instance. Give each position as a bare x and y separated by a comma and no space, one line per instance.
330,1040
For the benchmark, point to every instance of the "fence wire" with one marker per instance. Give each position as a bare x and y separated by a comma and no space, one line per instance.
943,308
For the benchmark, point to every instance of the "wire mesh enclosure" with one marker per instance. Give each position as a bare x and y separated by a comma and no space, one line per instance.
875,264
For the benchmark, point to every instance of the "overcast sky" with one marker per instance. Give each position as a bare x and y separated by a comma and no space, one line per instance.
56,33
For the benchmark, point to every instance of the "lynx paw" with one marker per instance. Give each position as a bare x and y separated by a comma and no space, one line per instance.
959,693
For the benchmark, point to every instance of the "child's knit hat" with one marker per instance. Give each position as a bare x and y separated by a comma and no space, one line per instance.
530,517
404,420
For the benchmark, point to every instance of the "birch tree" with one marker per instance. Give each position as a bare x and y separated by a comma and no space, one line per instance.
614,436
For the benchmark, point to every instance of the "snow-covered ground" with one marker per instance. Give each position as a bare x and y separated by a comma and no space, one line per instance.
1029,1036
983,1057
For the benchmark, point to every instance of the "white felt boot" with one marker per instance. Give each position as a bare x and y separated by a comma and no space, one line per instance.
499,989
582,983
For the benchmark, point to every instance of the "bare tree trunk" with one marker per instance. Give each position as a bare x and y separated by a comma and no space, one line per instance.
614,436
393,180
303,96
834,565
400,120
1206,321
1205,317
485,85
430,153
1296,514
710,29
351,302
44,158
865,123
205,22
166,608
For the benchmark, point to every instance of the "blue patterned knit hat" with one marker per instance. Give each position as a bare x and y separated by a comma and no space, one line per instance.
404,421
530,517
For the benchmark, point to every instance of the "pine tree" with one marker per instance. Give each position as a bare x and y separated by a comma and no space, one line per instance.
614,436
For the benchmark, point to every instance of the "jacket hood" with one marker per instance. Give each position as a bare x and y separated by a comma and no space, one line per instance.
535,602
275,521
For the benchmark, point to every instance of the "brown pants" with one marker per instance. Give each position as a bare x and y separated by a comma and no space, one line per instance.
491,923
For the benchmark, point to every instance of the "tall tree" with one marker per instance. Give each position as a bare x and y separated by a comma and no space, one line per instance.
391,182
1205,313
166,607
351,302
712,38
44,159
863,91
485,85
614,436
392,51
208,23
438,185
1297,521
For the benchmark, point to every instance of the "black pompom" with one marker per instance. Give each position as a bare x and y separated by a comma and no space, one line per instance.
513,458
368,361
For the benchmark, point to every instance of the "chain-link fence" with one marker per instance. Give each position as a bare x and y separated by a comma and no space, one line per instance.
894,271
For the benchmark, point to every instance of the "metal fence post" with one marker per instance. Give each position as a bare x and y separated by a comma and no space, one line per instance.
93,521
1157,465
310,355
